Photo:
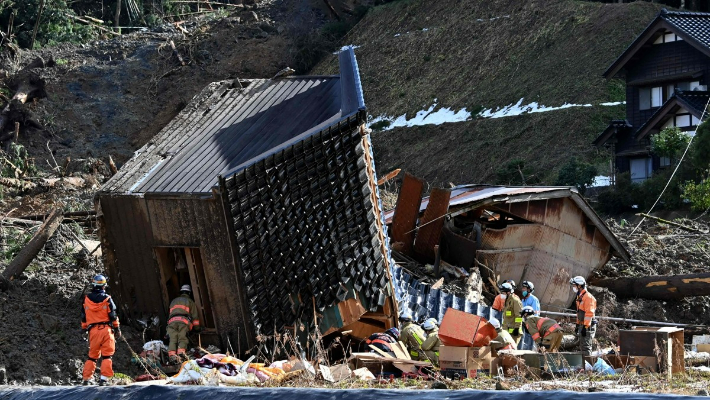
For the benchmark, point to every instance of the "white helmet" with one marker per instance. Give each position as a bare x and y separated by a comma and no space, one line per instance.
429,324
186,288
527,310
406,315
495,323
577,280
506,287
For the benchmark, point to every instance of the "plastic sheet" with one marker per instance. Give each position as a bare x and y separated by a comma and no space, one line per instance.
159,392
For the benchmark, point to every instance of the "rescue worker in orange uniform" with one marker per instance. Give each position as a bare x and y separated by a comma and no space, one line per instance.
99,319
586,309
183,318
545,332
499,302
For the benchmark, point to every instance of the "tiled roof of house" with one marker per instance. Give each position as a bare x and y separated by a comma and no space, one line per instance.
693,27
694,24
693,101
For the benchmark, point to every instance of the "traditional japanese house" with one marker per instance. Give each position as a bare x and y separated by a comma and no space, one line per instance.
262,195
666,70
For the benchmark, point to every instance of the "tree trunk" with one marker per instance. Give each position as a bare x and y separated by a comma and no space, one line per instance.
670,287
31,249
117,17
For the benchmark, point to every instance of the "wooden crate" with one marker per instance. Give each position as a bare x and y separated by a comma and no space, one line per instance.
666,344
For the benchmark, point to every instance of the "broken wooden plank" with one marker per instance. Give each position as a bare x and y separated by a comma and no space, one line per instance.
398,351
405,351
380,352
660,287
33,247
431,223
406,212
663,221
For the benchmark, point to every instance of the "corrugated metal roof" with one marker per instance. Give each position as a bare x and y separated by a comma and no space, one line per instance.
226,128
473,195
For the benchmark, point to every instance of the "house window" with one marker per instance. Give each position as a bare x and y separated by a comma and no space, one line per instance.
667,37
688,86
640,169
665,162
650,97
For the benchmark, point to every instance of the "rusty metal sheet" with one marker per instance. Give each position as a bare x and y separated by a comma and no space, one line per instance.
431,223
404,220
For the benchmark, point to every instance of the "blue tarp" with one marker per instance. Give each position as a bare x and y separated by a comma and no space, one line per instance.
157,392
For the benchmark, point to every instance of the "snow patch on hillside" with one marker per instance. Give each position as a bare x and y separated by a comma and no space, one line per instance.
430,116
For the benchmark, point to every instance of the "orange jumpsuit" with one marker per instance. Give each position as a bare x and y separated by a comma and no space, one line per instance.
98,315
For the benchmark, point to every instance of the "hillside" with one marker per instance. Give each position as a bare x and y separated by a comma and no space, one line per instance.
482,56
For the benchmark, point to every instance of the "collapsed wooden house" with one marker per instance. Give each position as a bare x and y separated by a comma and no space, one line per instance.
262,195
542,234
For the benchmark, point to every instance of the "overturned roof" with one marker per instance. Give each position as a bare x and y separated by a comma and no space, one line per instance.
468,197
694,102
232,124
693,27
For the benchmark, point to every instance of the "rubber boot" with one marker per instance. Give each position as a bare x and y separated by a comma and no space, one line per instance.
103,382
85,383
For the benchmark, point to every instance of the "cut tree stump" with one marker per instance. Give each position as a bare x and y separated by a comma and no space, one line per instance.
670,287
33,247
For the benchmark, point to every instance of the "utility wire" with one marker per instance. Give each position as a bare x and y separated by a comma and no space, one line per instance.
702,117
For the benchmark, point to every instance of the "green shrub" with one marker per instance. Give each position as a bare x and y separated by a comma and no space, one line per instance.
698,194
516,172
577,173
670,142
56,24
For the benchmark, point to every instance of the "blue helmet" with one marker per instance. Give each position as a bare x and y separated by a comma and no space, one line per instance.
394,332
99,281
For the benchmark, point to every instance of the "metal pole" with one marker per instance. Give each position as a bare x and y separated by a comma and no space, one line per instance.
638,321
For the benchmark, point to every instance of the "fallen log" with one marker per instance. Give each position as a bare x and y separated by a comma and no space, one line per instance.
669,287
32,248
663,221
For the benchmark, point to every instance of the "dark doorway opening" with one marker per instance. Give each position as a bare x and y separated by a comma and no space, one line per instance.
183,266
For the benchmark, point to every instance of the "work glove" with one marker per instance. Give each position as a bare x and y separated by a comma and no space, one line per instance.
516,332
583,332
197,329
117,332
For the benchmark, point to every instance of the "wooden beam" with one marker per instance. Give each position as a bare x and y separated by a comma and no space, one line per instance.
33,247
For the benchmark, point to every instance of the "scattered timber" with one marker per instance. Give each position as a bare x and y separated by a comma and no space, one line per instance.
663,221
176,53
669,287
112,166
32,248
